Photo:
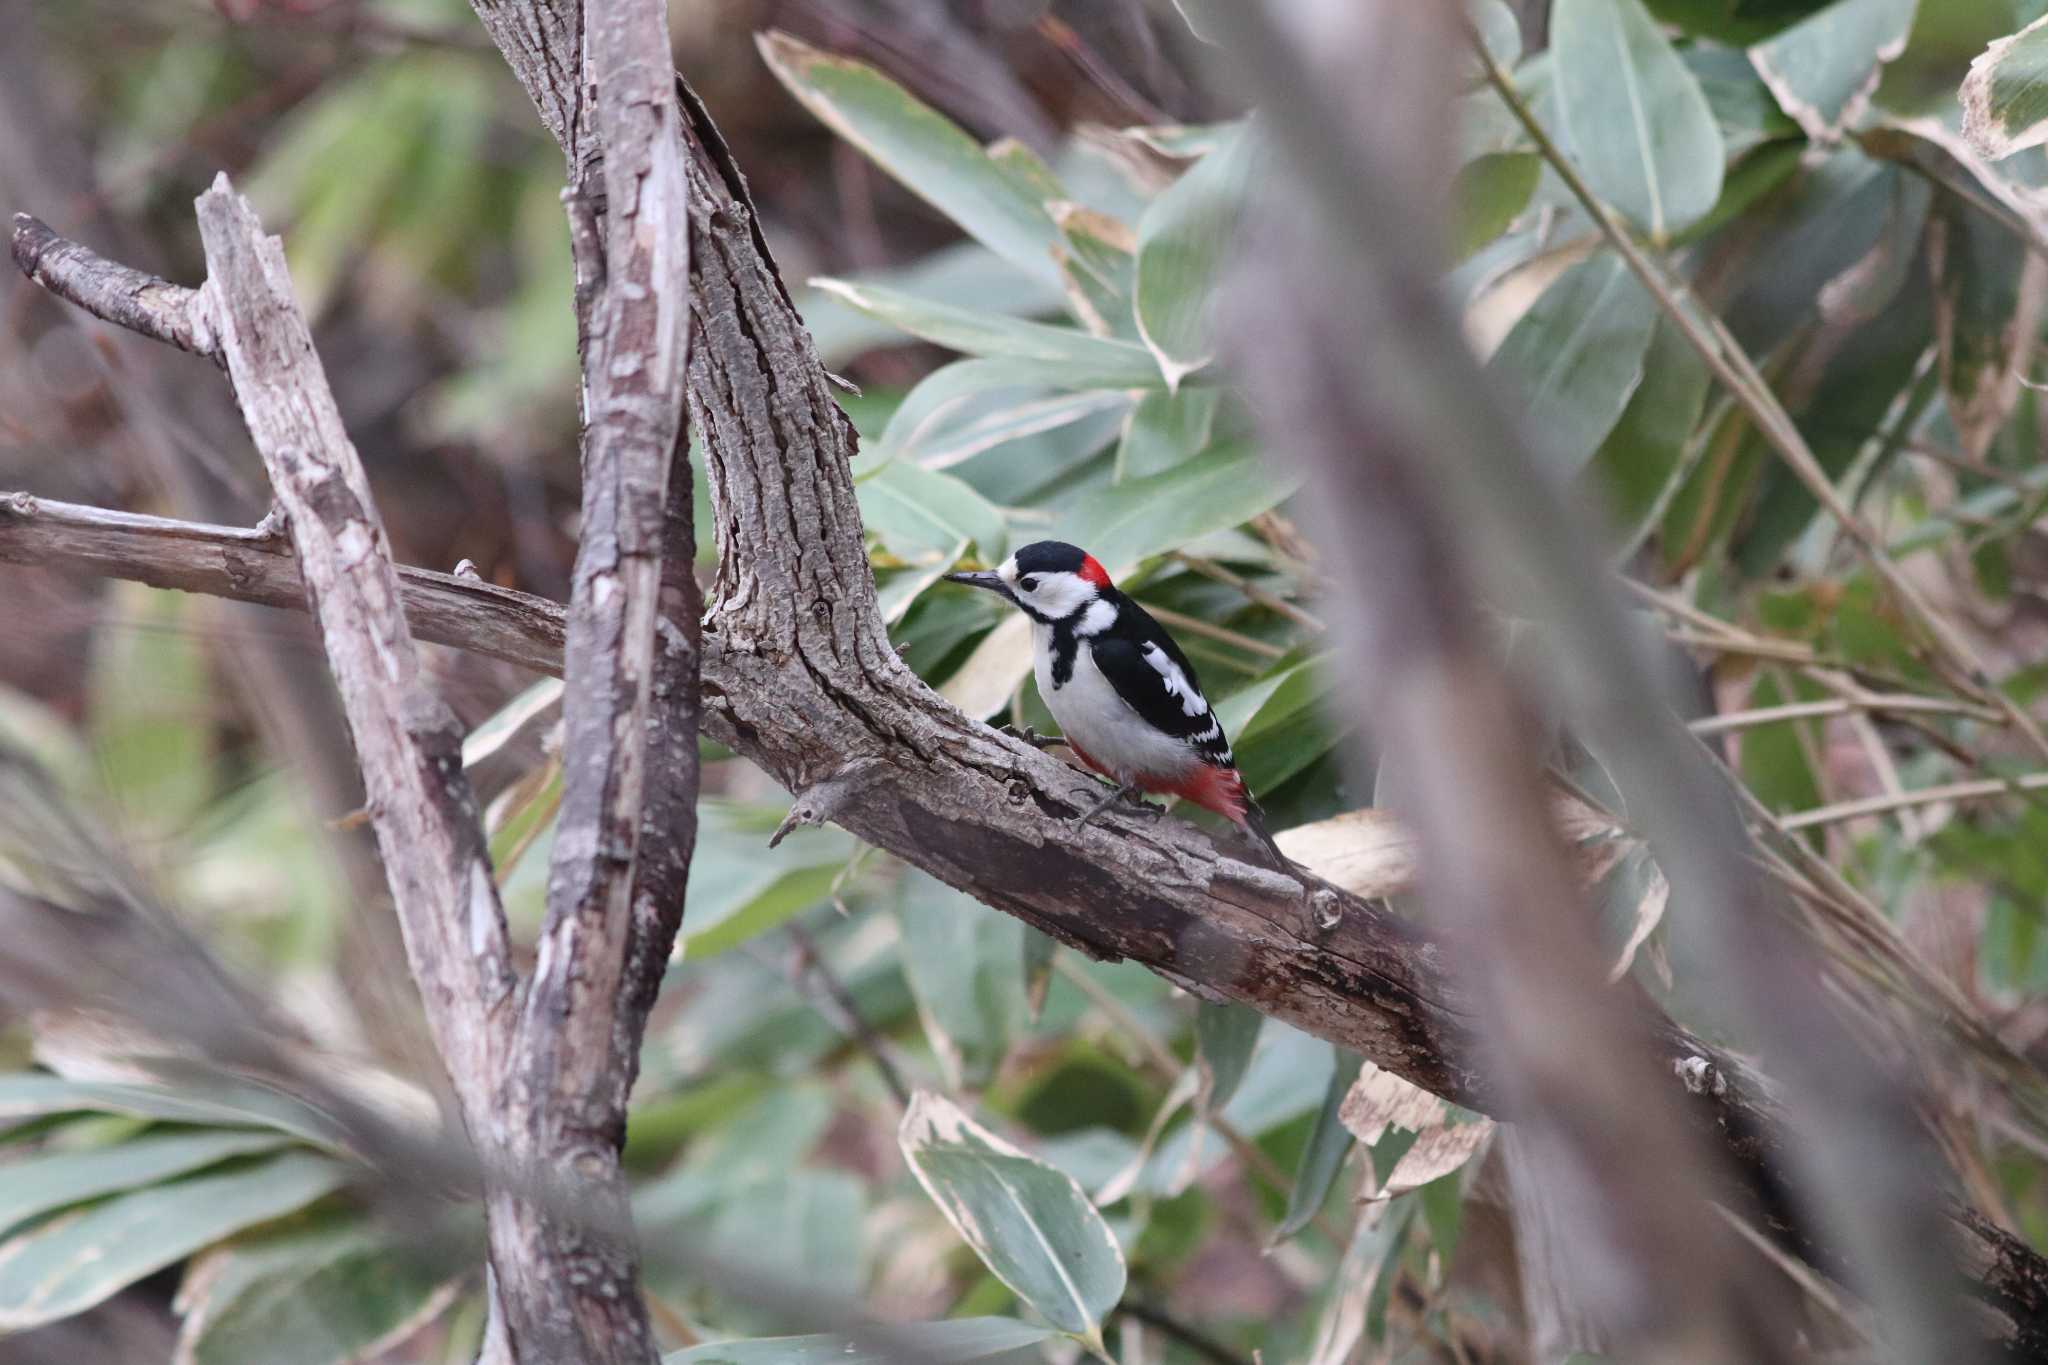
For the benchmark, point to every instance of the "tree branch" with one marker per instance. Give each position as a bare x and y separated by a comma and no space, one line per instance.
571,1295
409,742
259,566
106,289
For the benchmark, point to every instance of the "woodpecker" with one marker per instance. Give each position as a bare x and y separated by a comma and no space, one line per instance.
1125,696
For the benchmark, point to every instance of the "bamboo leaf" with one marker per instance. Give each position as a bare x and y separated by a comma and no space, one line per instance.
53,1180
1220,488
922,148
1030,1223
1573,361
1322,1156
962,959
1489,193
958,1341
79,1259
1066,355
1824,69
320,1298
1182,242
2005,96
1634,115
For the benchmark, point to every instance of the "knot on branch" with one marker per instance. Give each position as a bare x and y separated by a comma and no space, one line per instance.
1700,1076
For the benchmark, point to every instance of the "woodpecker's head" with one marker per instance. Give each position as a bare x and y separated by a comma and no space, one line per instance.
1049,580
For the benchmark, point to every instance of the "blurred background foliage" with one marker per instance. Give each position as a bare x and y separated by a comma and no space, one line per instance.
1006,224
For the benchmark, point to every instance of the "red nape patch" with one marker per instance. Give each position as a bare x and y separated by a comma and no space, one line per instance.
1093,572
1217,789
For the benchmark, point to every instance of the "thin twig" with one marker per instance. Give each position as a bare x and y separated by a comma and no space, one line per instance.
1195,625
1911,800
1168,1068
811,965
1209,568
1201,1344
1839,706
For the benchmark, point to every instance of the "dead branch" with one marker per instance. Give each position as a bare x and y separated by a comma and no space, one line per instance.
258,566
409,743
107,289
571,1296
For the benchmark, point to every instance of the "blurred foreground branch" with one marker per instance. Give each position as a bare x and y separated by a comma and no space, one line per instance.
1447,492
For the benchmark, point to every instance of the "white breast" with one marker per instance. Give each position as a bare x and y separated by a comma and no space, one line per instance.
1091,714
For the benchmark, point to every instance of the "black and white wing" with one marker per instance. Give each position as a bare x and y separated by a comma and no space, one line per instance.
1147,669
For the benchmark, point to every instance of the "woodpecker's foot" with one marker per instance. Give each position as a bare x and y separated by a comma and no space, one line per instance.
1031,737
1135,804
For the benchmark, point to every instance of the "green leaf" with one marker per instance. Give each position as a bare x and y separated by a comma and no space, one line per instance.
981,419
1498,29
1329,1142
923,149
1863,378
1039,951
1743,108
962,959
1803,237
1182,242
53,1179
1642,453
2005,96
320,1298
923,514
1574,360
1824,69
1285,729
32,1095
1225,1038
740,889
762,1142
78,1259
1987,308
1030,1223
944,1343
1100,266
1634,115
1737,23
803,1228
150,708
1066,355
1162,429
1489,193
1776,764
1224,486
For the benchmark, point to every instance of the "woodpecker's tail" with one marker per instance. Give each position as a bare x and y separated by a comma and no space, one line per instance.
1254,822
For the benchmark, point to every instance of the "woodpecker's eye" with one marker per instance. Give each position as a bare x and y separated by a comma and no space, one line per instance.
1029,583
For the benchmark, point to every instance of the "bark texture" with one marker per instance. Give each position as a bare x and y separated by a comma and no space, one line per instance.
408,741
569,1285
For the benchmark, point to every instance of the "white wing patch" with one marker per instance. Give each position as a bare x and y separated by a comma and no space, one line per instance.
1177,684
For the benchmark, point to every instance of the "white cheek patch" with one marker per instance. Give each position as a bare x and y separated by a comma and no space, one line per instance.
1177,684
1060,595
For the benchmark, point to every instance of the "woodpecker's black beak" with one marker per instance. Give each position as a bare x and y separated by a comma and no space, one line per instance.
992,581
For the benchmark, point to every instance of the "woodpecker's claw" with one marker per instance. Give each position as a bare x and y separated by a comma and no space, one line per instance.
1031,736
1137,805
